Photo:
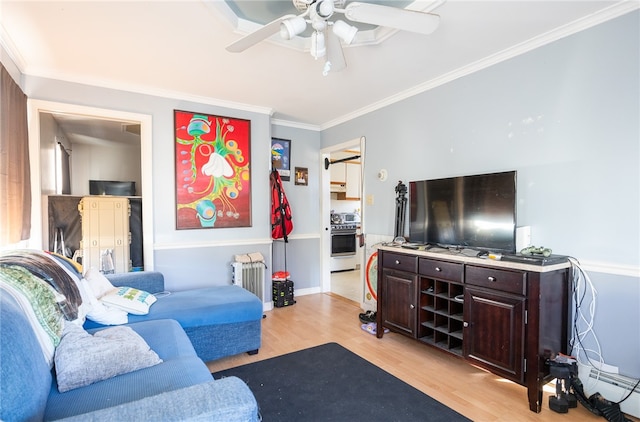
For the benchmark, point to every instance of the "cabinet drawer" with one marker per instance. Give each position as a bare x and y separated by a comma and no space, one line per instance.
493,278
398,261
450,271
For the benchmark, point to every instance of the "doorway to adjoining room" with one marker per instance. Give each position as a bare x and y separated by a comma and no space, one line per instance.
66,139
346,254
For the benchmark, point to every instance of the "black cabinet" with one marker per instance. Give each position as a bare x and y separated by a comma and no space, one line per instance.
400,298
494,315
398,287
505,317
494,332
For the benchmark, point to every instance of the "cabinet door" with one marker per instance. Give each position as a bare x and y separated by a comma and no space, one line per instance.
494,331
353,181
399,301
338,172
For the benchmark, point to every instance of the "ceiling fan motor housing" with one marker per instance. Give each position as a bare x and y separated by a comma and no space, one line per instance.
303,5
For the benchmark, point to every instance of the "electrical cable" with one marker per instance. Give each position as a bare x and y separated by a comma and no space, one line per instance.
583,291
630,392
577,341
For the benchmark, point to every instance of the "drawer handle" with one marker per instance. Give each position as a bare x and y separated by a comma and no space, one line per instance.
412,306
491,278
465,324
438,269
397,262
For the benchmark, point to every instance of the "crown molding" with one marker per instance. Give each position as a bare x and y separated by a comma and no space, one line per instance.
9,48
295,125
145,90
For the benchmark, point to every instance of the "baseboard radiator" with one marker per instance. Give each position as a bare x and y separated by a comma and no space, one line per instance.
613,387
249,272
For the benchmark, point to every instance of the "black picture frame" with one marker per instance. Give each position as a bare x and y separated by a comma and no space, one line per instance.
301,176
281,157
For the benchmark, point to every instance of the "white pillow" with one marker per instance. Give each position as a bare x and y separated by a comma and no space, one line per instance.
102,314
82,359
128,299
98,283
87,305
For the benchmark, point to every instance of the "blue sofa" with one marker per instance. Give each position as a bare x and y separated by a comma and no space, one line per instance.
180,387
220,321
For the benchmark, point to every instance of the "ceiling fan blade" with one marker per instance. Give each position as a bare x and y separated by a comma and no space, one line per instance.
335,55
406,20
258,35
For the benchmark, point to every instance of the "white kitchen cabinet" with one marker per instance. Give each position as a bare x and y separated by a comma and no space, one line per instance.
338,177
338,173
352,181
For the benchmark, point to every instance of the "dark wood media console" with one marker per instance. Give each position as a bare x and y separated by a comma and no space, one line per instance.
505,317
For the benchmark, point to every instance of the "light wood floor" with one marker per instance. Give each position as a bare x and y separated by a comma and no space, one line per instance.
347,284
323,318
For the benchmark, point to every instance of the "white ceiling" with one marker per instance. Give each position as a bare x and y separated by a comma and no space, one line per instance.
177,49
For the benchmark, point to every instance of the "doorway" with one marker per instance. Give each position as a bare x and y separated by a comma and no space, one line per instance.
343,190
40,115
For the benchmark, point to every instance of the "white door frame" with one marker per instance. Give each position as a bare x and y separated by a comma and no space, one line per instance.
325,244
38,201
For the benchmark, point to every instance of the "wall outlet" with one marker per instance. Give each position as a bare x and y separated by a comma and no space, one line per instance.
370,199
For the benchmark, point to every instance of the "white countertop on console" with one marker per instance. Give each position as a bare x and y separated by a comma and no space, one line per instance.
448,255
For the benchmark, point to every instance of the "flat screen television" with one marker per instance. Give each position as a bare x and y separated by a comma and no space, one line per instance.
112,187
477,212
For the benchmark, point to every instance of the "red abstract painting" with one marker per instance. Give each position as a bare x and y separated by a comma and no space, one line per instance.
213,177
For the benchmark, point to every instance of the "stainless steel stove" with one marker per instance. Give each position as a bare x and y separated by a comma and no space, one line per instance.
343,228
343,241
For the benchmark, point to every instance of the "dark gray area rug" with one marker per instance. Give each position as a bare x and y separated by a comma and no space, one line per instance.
330,383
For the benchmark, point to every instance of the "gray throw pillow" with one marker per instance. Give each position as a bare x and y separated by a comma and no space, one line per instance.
82,359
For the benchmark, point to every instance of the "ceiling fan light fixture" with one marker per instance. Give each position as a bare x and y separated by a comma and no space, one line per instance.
324,8
289,28
345,31
318,47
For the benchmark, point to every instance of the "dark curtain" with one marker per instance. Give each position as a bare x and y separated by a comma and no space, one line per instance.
64,170
15,179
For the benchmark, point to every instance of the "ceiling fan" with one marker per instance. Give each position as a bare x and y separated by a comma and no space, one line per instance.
326,36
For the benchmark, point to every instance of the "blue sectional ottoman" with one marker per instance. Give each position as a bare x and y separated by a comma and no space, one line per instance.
220,321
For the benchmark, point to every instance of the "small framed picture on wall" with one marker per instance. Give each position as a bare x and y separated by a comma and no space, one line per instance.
302,176
281,157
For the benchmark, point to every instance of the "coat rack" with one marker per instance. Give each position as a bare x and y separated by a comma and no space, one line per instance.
327,162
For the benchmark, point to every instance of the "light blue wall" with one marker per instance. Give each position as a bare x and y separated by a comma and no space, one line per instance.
566,117
303,249
188,258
